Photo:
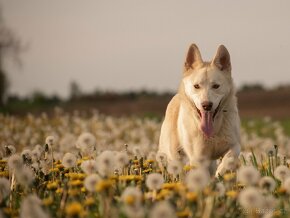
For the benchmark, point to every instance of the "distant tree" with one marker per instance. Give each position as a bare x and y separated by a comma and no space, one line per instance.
253,87
75,90
10,46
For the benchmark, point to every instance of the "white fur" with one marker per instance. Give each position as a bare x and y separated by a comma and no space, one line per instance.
181,127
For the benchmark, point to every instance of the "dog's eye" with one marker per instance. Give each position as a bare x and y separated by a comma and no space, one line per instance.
215,86
196,86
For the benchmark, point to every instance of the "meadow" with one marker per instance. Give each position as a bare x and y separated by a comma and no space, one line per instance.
75,165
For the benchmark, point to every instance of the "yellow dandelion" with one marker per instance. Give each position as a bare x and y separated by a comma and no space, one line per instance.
191,196
89,201
229,176
74,209
47,201
73,192
54,170
163,194
187,168
103,185
183,214
281,190
59,191
232,194
76,183
52,186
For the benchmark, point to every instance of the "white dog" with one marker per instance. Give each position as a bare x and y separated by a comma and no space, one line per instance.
202,119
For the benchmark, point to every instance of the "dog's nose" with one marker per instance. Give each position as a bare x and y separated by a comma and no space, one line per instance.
207,105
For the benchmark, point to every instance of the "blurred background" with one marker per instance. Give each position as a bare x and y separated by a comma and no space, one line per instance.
126,57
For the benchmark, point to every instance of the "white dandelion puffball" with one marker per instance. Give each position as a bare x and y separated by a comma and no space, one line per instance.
248,175
267,183
50,140
161,158
24,176
4,188
86,142
154,181
122,159
31,207
220,189
162,209
230,163
106,163
132,196
69,160
89,166
250,198
286,185
15,162
91,182
174,167
197,179
282,172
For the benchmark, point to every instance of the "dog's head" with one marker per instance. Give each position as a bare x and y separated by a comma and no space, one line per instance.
207,84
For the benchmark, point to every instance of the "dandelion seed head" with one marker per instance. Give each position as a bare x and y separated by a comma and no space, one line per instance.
89,166
15,162
4,188
24,176
122,159
132,196
197,179
250,198
267,183
282,172
106,163
162,210
69,160
286,185
154,181
174,167
50,141
248,175
91,182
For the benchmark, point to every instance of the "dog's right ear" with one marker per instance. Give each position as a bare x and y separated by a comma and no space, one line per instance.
193,57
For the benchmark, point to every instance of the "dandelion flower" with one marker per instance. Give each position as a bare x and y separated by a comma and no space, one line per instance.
220,189
50,140
248,175
154,181
15,162
230,163
132,196
162,210
9,150
267,183
281,172
250,198
161,158
4,188
31,207
91,182
86,142
197,179
136,150
269,204
286,185
122,159
174,167
24,176
89,166
69,160
106,163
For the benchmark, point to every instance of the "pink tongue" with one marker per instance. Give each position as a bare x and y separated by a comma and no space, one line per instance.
206,123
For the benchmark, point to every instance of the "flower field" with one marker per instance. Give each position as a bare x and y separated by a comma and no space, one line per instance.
74,165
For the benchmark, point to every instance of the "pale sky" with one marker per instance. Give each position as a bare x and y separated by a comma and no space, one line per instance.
134,44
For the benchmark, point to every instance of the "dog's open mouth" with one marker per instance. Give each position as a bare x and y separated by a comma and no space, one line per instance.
207,119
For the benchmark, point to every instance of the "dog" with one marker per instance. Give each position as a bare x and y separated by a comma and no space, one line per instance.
202,119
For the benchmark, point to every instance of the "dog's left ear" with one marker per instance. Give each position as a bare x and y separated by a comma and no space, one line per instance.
222,59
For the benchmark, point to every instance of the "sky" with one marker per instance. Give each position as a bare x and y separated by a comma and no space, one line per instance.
133,44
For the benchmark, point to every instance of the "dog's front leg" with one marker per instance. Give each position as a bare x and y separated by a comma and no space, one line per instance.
233,152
